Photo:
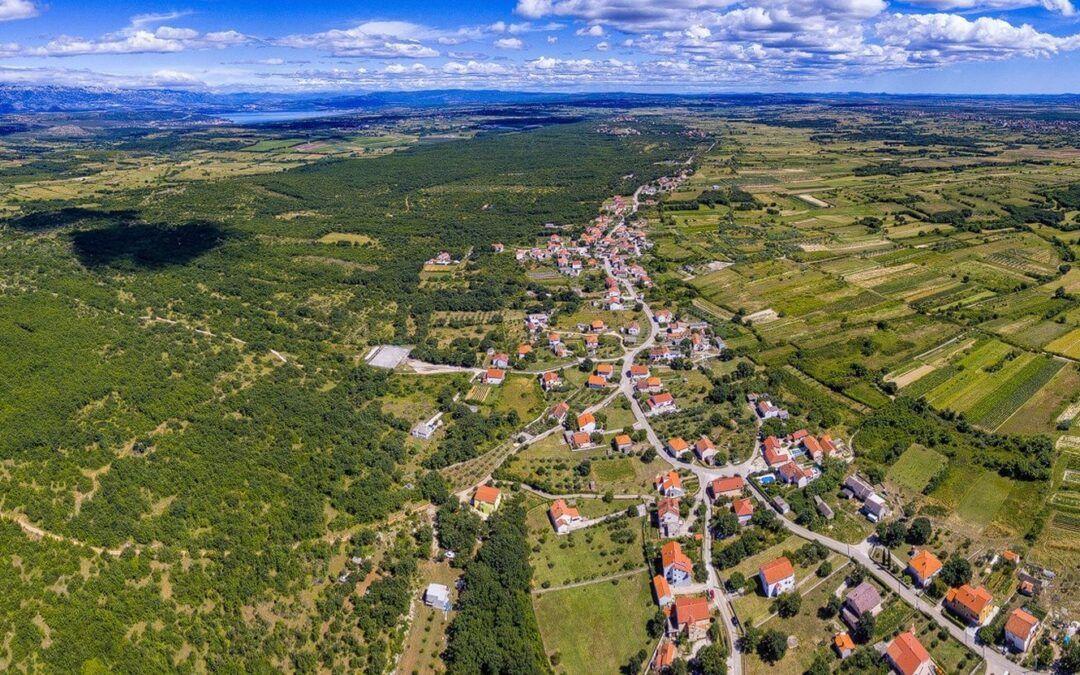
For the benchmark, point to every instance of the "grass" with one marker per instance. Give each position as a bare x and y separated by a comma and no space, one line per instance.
586,554
916,467
596,628
984,497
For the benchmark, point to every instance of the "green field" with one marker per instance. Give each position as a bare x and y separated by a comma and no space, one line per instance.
595,628
916,467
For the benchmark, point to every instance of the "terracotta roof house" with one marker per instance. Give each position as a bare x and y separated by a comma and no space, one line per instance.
1011,557
777,576
969,603
596,382
591,342
731,486
580,439
639,372
922,567
494,376
524,349
605,370
500,360
677,447
907,656
666,654
486,500
563,516
667,516
797,436
844,645
558,411
677,566
692,615
662,591
622,442
813,448
793,474
1020,630
744,509
775,457
586,422
550,380
704,449
670,484
597,326
651,385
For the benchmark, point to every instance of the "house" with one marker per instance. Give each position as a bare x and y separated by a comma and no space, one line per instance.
633,328
857,487
1011,557
638,372
766,410
550,380
662,404
670,484
824,509
777,576
1020,630
906,656
692,616
923,567
863,599
597,326
554,340
773,452
678,569
523,350
500,360
586,422
744,509
563,517
662,316
591,343
780,505
662,591
579,440
605,370
875,508
676,446
437,596
813,448
705,450
498,247
667,516
793,474
596,382
425,430
662,354
558,411
650,385
970,604
494,376
731,486
844,645
622,442
666,654
486,500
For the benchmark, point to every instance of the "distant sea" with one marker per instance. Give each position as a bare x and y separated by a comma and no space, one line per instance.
278,116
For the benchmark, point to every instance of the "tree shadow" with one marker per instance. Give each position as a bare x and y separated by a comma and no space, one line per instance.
144,245
120,238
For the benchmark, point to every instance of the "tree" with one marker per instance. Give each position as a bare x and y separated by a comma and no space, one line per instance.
875,474
736,581
956,571
919,532
864,629
433,488
725,524
773,646
1070,658
831,608
890,534
655,626
712,659
820,666
824,569
787,604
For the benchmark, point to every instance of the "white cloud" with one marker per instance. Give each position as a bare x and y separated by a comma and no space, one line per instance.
387,39
10,10
595,30
1064,7
950,37
552,39
163,40
602,46
509,43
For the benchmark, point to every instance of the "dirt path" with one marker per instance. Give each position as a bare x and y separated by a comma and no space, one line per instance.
36,532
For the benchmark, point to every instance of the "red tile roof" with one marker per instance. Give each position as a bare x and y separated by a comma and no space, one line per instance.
661,587
727,484
972,599
486,494
690,610
743,507
776,570
925,564
1020,624
907,653
671,554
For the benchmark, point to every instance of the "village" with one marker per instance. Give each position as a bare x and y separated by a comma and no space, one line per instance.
706,497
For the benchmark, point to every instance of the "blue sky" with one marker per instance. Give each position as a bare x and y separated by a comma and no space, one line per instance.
963,46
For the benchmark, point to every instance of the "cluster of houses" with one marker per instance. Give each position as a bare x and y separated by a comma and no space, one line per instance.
659,402
676,333
443,259
782,455
680,449
668,518
874,506
582,438
730,488
688,616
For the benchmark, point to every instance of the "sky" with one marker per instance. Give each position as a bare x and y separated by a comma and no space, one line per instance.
909,46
